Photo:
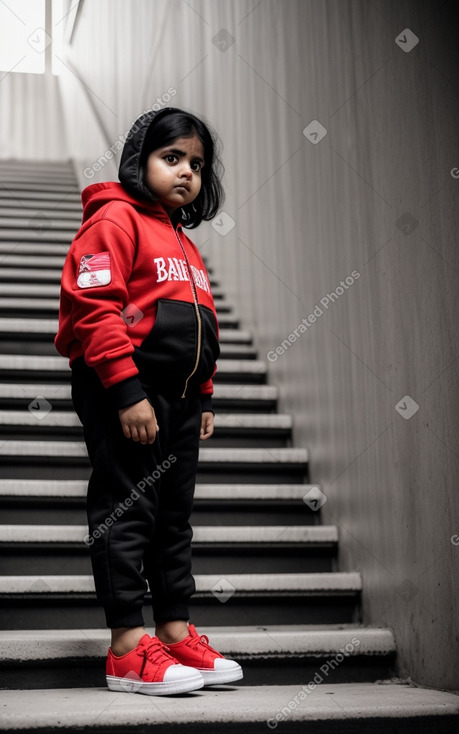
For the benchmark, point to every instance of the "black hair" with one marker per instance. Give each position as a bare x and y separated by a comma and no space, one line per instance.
168,125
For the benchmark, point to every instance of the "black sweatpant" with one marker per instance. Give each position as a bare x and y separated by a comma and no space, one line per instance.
139,503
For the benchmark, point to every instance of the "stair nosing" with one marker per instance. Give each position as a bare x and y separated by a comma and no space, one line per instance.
33,645
34,363
73,449
51,391
307,535
77,488
369,705
69,419
333,582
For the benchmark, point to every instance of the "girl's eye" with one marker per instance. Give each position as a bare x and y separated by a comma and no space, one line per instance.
196,166
171,158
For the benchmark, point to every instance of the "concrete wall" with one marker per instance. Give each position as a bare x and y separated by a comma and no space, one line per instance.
373,205
31,121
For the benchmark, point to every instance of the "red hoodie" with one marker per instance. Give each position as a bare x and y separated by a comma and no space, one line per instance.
128,305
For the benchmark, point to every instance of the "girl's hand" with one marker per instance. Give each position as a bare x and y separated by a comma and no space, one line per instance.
207,425
139,421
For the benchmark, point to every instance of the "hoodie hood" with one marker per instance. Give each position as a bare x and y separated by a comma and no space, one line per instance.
130,171
95,196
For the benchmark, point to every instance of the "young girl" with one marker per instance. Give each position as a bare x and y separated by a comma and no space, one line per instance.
138,323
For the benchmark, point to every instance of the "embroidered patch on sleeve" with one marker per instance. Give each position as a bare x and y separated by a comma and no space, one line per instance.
94,270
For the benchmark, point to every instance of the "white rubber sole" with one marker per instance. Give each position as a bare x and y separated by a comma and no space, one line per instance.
213,677
164,688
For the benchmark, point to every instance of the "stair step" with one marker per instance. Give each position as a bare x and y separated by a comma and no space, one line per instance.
41,234
224,560
246,643
228,549
44,309
35,165
49,327
14,305
31,306
26,304
261,584
36,198
10,178
36,304
41,290
37,168
37,363
34,179
274,641
41,168
264,465
63,502
37,367
223,456
52,459
226,493
46,274
278,535
26,213
67,422
357,708
38,179
28,290
44,346
70,223
59,601
255,430
45,187
277,653
48,250
226,396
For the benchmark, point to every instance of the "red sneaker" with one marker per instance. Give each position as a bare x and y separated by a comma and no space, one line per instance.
194,651
150,669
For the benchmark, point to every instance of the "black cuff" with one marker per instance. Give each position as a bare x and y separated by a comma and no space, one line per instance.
127,392
206,402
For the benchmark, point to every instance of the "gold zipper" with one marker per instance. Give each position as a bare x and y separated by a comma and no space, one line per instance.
198,315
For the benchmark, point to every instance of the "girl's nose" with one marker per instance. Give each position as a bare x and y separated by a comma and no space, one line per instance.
186,171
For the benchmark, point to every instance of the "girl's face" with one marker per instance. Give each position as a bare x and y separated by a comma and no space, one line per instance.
173,173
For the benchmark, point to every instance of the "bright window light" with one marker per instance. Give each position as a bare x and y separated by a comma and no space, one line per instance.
24,36
59,20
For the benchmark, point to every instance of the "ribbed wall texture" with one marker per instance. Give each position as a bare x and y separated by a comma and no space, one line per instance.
31,123
373,204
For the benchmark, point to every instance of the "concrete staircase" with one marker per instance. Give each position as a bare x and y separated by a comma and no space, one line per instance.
269,590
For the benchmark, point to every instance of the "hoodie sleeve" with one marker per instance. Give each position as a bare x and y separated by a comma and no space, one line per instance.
206,393
93,295
207,387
